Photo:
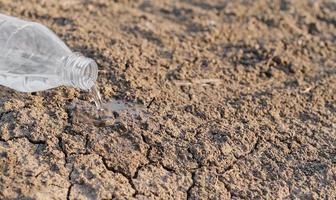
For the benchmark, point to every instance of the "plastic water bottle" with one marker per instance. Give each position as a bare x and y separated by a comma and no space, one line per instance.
33,58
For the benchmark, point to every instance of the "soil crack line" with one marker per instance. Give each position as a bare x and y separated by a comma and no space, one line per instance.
35,142
61,146
66,156
71,184
150,103
193,177
128,177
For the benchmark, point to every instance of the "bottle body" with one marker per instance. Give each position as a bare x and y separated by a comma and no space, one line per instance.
33,58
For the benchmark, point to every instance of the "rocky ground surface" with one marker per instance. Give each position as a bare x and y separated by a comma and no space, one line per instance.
239,102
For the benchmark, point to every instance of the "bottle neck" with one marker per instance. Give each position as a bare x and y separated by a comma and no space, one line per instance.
79,71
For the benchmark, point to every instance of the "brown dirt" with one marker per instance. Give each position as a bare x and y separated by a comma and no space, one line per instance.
241,97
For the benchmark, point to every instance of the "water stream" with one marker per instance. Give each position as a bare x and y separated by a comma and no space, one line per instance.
97,97
106,110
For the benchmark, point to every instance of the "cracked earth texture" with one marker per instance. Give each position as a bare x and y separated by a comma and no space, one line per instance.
240,101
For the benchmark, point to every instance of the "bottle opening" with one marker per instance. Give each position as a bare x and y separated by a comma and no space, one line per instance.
81,72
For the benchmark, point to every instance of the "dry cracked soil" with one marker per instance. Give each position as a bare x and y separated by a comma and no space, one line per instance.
238,97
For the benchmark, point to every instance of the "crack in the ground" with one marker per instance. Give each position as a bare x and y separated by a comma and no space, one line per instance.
167,168
66,156
86,145
128,177
61,146
193,173
5,113
193,177
2,140
41,172
86,151
230,167
144,139
35,142
69,191
70,116
150,161
71,184
136,174
150,103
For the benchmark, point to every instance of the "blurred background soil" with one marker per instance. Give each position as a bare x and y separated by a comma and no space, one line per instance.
239,98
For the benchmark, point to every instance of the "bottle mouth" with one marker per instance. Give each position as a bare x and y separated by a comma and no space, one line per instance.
82,72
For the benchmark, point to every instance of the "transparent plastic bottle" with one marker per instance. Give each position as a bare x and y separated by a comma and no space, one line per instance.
33,58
